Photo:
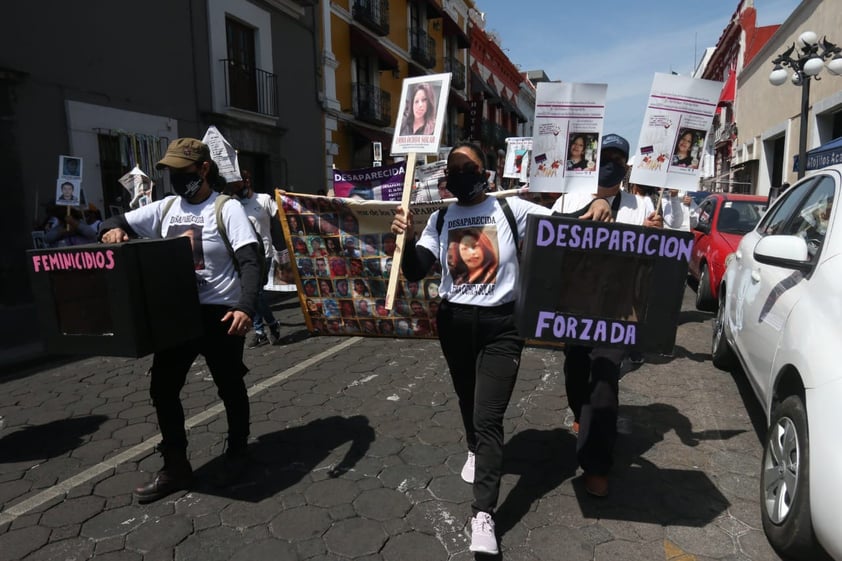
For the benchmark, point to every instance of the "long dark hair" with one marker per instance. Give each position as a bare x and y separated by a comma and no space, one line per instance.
215,180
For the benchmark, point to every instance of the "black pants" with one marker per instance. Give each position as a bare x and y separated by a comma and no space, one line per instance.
591,377
482,349
224,356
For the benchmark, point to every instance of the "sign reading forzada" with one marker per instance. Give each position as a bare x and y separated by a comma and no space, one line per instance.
602,284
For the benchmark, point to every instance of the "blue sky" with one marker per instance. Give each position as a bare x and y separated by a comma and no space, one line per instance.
622,43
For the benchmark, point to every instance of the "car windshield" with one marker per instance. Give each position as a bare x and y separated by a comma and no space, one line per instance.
739,217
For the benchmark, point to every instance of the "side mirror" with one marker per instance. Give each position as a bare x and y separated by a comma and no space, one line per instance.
703,228
789,252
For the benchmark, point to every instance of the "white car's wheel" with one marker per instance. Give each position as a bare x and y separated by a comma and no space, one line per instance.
722,355
784,483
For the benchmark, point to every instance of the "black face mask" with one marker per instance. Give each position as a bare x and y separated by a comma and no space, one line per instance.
186,184
466,186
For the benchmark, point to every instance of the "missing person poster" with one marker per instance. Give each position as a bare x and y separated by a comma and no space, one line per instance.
430,182
224,154
381,183
342,251
565,137
675,126
516,165
602,284
423,108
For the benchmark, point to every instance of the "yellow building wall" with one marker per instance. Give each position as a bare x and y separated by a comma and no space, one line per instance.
398,43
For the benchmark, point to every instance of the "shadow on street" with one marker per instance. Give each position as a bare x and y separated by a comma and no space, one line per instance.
281,459
42,442
641,491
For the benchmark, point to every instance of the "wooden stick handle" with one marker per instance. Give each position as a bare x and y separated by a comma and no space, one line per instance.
398,255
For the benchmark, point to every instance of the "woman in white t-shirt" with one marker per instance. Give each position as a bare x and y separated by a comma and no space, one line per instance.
475,320
227,299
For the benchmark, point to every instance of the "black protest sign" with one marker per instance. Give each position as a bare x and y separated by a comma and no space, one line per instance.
602,284
116,299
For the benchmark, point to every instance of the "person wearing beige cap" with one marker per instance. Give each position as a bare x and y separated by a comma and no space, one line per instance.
227,284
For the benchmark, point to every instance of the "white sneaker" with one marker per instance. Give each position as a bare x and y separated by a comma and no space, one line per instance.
483,539
468,468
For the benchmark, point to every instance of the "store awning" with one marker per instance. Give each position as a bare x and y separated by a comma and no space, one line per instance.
451,28
729,90
363,43
373,135
478,85
822,156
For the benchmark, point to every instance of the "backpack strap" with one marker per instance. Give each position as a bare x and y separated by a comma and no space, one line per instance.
167,206
440,219
223,232
510,218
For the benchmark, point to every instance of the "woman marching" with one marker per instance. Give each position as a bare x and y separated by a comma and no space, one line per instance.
227,285
475,320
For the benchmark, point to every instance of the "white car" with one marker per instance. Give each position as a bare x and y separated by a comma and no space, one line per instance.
780,315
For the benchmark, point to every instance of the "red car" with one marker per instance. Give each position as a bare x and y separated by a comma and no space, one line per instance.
724,218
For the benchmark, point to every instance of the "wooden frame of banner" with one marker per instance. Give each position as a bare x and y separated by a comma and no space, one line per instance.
398,255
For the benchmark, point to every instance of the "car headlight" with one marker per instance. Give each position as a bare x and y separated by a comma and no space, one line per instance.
730,258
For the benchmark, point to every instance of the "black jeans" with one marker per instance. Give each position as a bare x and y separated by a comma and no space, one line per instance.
591,377
224,356
482,349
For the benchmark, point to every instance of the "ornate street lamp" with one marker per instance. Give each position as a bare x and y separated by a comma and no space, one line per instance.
806,62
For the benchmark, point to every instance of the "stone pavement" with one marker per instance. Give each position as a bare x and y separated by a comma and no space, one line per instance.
358,446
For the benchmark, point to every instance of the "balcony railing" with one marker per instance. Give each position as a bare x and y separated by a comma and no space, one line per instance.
371,104
249,88
457,69
374,14
725,132
423,48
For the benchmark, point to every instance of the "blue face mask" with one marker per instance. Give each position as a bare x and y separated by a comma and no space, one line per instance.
186,184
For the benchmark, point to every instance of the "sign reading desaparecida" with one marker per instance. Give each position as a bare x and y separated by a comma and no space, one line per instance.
342,251
602,284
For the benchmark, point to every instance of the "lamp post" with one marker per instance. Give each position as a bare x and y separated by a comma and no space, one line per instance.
805,58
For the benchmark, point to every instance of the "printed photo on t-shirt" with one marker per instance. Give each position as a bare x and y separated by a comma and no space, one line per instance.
473,255
194,232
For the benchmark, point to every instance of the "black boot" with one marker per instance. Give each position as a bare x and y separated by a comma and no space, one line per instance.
233,468
176,475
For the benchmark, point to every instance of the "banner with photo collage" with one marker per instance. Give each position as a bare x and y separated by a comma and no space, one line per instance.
342,253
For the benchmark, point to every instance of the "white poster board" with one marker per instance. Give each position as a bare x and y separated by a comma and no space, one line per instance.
567,117
70,167
223,154
423,108
672,139
139,185
517,157
68,191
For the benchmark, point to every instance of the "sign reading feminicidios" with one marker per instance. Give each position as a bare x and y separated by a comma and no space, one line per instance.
602,284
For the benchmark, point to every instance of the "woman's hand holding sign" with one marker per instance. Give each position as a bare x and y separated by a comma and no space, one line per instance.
402,224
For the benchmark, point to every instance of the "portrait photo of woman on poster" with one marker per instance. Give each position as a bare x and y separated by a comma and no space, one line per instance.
419,115
577,157
472,257
686,154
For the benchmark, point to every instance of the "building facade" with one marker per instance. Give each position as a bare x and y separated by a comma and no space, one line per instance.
739,43
369,47
770,116
114,87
